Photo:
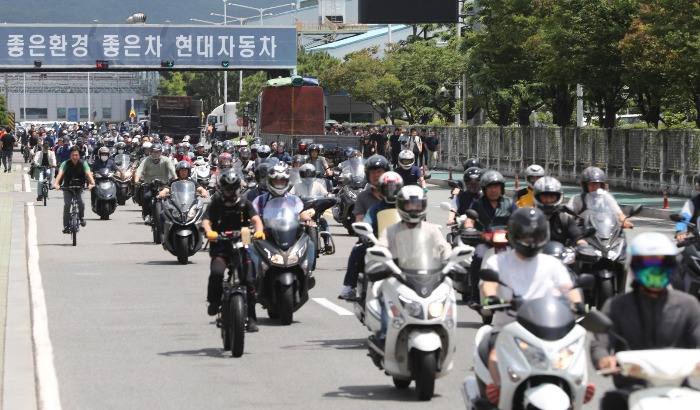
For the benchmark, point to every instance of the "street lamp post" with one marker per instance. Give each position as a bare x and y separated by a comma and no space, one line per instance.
458,96
261,10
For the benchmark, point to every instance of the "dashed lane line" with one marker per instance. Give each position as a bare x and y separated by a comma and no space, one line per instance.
332,306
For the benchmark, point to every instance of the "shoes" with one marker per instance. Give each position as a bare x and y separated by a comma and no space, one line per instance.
39,198
328,248
380,343
474,305
213,309
83,222
251,326
66,230
348,293
147,220
312,281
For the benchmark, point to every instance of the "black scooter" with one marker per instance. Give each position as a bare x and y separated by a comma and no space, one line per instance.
688,278
105,194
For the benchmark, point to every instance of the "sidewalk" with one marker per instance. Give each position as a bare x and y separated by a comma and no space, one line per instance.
653,203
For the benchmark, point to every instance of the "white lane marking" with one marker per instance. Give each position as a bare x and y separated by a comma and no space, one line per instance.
49,397
332,306
27,184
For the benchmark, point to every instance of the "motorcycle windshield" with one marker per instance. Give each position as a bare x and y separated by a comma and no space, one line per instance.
601,215
182,195
282,223
416,254
103,173
548,318
122,161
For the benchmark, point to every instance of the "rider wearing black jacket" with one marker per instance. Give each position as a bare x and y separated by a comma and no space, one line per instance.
547,194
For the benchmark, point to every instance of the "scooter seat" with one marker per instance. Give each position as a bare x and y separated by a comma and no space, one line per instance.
484,349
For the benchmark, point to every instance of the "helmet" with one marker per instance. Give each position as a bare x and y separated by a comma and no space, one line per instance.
406,159
412,204
547,185
79,140
244,153
303,148
254,148
186,138
314,147
278,180
186,145
471,179
471,162
653,261
390,183
228,146
103,150
121,146
146,145
492,177
228,183
559,251
376,161
156,149
281,145
533,170
225,160
307,171
591,174
261,172
264,151
120,138
298,160
183,165
528,231
218,145
351,153
200,146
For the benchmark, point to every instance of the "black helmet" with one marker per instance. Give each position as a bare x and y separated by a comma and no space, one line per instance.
471,179
314,147
547,185
471,162
183,165
412,204
558,250
591,174
390,183
261,172
492,177
528,231
228,183
264,151
244,153
376,161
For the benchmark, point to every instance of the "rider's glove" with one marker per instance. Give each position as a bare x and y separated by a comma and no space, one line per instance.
579,308
425,190
259,235
212,236
493,300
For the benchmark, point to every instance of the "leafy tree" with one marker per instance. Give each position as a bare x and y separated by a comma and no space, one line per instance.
172,83
313,64
4,120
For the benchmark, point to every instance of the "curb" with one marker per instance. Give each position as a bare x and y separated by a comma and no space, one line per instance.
647,212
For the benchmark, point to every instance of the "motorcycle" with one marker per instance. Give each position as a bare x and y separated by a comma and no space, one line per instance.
284,272
201,172
124,177
182,220
541,356
459,235
418,297
610,244
688,278
350,181
105,194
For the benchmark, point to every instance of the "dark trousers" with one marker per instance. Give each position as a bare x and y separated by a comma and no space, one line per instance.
146,197
217,269
474,269
356,264
67,198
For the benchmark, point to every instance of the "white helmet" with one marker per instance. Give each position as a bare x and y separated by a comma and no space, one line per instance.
406,159
186,138
412,203
533,170
147,145
653,260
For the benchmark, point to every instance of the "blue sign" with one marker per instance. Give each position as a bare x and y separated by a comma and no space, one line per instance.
36,46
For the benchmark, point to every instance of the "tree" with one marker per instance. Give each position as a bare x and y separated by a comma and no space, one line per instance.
172,83
4,120
315,63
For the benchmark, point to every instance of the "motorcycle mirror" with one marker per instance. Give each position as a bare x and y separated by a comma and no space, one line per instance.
427,176
364,229
597,322
445,206
636,210
677,218
567,210
586,254
585,281
489,275
472,214
452,184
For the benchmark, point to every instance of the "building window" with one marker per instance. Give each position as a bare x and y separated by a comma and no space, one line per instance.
60,113
107,113
83,113
35,113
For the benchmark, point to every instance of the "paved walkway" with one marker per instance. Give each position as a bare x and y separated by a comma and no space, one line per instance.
653,203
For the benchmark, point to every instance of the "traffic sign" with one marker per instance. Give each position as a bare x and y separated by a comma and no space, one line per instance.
239,122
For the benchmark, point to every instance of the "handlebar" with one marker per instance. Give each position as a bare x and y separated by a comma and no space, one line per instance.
72,188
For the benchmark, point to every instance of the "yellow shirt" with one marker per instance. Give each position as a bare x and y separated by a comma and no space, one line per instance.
526,200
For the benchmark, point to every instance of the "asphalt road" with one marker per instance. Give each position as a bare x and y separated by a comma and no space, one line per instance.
129,329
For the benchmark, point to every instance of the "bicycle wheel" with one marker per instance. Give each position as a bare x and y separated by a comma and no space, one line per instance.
237,322
74,223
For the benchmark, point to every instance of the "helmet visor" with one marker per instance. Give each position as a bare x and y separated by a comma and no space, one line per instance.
654,271
406,161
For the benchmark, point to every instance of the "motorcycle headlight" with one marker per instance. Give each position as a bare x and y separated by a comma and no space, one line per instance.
192,212
174,212
499,237
436,309
534,355
413,309
565,357
352,195
277,259
292,259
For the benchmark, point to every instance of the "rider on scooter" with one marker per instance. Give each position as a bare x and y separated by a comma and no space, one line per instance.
524,197
562,226
463,200
527,272
592,180
691,212
652,316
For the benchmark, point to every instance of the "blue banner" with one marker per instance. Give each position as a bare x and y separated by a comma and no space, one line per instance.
147,46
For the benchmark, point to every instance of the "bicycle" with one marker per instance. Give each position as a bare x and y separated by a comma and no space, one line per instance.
234,300
74,220
44,171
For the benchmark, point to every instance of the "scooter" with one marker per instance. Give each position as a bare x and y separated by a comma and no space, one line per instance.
459,235
202,171
182,220
665,371
105,194
541,356
123,177
419,304
689,278
351,182
284,272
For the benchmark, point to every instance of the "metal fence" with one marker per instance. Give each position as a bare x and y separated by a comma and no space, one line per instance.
633,159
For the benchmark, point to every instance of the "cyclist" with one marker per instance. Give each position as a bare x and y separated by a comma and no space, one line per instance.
73,172
44,158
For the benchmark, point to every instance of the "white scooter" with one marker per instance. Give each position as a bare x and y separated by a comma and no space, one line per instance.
420,305
541,357
665,370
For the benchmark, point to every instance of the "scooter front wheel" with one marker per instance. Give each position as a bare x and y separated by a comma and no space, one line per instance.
423,371
401,383
286,303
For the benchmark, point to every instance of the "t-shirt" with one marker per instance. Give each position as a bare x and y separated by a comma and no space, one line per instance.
410,176
229,218
365,200
528,278
8,142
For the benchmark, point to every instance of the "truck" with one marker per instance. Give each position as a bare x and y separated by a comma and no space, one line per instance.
291,106
223,122
175,116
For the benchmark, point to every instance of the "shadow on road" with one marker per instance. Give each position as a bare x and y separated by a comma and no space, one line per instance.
469,325
339,344
210,352
164,263
382,392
